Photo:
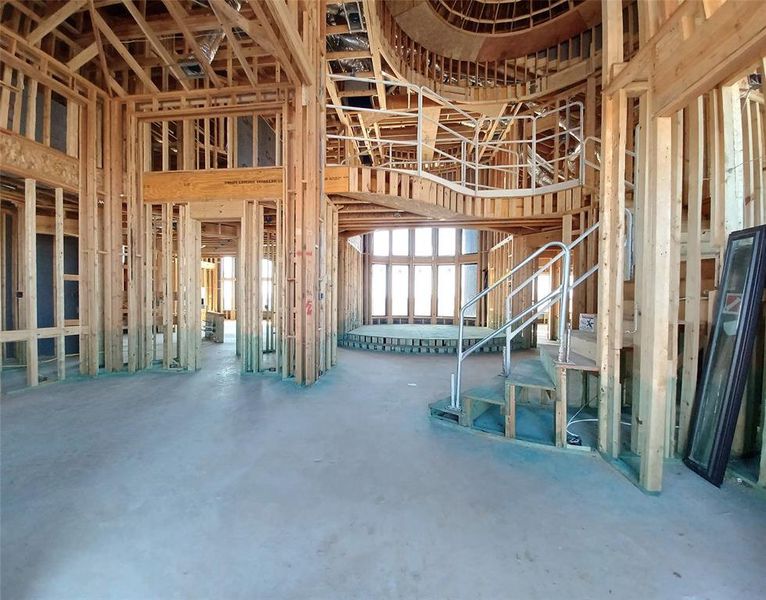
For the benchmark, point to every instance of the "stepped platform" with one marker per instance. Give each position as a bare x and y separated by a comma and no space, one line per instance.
534,423
419,339
531,402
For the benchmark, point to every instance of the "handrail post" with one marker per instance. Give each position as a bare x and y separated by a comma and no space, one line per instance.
455,400
564,308
508,339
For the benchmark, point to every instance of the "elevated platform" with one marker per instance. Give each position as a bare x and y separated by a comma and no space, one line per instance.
419,339
536,402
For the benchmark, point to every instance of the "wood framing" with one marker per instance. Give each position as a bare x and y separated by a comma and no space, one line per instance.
145,137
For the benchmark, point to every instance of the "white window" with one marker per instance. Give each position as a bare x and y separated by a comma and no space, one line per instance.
447,241
267,282
378,290
423,285
423,242
227,290
543,285
400,289
400,242
227,267
469,287
445,295
470,241
228,279
380,242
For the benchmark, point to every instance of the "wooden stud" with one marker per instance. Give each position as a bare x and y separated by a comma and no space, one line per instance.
655,324
58,283
30,277
693,289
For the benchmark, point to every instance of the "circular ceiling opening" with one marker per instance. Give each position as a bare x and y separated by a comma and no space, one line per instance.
500,16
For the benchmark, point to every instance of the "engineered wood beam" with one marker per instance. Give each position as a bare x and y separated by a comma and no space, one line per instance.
26,158
227,185
194,22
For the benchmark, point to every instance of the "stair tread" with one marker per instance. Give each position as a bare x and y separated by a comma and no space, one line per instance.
530,372
492,394
590,336
576,360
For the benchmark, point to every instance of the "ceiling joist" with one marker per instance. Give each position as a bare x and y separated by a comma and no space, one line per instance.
104,28
170,59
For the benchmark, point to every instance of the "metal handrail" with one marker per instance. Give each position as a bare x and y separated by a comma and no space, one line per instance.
560,294
469,152
597,165
505,277
463,354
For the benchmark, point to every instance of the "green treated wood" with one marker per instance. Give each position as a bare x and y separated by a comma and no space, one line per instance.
492,394
530,373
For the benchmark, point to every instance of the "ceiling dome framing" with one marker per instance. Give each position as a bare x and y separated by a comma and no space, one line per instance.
500,16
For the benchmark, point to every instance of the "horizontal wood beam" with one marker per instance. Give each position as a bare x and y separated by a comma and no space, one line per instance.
348,54
20,335
737,31
227,185
680,62
26,158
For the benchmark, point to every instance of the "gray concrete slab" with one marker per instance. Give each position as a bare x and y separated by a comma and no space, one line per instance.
215,485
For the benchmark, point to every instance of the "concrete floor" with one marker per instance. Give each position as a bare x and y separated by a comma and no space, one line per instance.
214,485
